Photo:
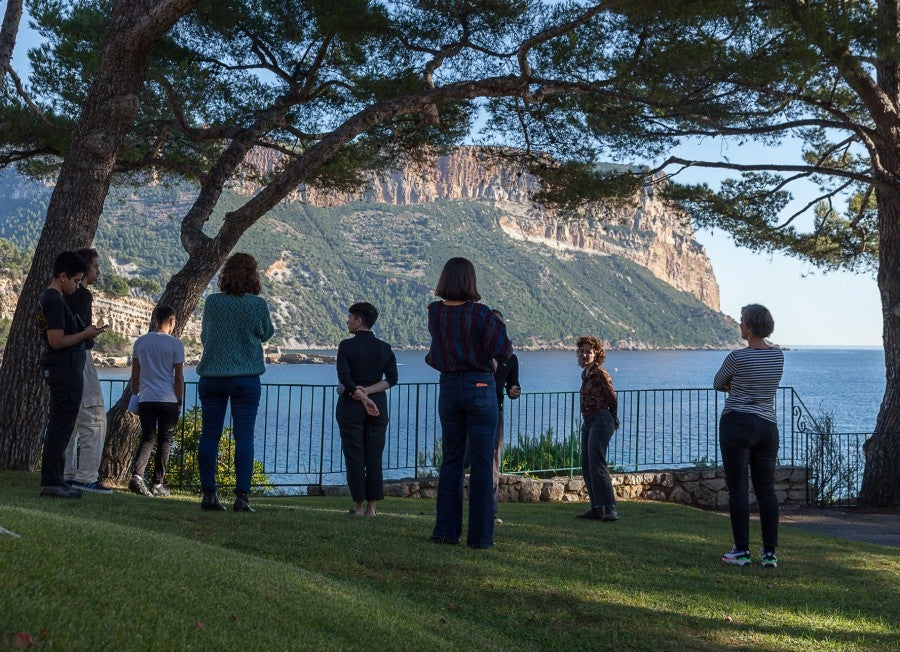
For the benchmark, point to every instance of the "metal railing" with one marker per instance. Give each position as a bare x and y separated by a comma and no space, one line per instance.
298,442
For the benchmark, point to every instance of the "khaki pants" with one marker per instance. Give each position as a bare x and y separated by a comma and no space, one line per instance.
85,447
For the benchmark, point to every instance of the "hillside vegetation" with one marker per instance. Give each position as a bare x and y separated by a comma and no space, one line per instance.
317,261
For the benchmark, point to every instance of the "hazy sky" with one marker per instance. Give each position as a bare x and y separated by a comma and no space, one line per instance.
810,307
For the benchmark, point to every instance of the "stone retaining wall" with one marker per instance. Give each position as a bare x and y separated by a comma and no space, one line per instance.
699,487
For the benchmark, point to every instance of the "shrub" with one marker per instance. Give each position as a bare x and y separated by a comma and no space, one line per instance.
543,454
184,469
112,344
835,478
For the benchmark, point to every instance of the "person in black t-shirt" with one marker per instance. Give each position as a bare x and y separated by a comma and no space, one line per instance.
62,364
366,368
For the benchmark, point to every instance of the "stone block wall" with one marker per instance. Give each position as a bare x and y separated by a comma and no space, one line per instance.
698,487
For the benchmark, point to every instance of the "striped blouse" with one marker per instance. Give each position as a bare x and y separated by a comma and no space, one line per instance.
465,337
751,376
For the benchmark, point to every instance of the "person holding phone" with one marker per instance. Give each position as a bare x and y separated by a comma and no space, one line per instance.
63,334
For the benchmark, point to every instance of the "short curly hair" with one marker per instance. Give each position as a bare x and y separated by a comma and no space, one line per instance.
239,275
596,346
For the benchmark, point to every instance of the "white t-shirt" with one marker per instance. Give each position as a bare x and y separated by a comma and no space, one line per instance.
158,353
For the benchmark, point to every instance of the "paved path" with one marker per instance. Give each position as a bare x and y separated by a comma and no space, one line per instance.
882,527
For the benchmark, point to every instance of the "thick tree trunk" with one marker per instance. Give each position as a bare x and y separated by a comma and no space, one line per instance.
75,207
182,293
881,478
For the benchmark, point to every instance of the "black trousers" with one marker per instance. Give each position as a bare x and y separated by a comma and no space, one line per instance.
65,379
158,422
748,440
362,437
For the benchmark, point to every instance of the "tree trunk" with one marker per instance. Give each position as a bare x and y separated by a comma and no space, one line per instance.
881,478
11,19
182,293
75,207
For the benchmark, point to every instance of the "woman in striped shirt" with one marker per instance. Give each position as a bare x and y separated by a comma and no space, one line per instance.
466,339
748,433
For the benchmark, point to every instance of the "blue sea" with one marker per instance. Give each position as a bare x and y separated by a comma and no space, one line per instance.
847,383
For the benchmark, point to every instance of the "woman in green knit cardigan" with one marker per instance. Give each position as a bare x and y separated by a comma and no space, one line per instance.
235,324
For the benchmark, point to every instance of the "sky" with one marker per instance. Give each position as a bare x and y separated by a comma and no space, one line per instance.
810,308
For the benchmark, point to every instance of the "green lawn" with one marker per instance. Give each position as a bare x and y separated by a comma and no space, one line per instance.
125,572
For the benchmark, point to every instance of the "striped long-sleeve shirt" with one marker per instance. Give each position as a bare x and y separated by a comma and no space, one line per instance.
751,376
465,337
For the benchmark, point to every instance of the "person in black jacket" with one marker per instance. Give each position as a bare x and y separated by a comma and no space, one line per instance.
366,368
506,379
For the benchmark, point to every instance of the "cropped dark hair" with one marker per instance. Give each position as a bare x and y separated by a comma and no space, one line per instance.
758,319
69,263
457,281
365,311
596,346
161,313
87,254
239,275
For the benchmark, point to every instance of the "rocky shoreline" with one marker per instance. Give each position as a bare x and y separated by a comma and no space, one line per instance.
122,362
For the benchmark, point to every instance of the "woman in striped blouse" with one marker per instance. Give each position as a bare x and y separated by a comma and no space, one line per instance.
466,339
748,433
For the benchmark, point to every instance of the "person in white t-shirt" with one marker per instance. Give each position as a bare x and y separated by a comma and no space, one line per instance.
157,377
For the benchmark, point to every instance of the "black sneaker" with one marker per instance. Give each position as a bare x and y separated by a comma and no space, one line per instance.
93,487
158,490
609,513
242,504
59,491
138,486
210,502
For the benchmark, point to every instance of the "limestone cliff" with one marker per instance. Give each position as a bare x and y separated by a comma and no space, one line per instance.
646,231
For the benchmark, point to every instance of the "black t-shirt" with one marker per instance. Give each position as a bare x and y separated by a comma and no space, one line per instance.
54,314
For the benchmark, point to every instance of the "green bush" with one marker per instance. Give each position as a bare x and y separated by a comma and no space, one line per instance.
543,454
112,344
184,468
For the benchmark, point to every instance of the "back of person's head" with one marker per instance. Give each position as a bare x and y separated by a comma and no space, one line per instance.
595,345
162,313
69,263
365,311
239,275
88,254
457,281
758,319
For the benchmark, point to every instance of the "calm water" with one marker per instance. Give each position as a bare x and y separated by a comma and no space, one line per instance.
848,382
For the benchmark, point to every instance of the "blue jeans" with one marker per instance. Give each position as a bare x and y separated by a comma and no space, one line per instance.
749,440
467,406
596,431
244,393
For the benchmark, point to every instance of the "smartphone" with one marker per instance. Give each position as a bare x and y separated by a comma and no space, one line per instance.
103,328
